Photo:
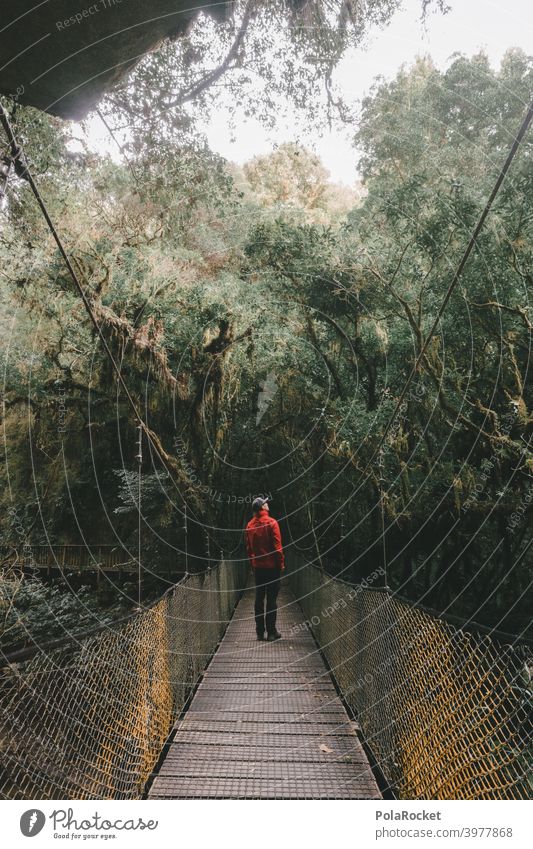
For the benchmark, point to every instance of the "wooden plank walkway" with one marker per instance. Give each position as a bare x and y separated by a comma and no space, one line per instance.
265,723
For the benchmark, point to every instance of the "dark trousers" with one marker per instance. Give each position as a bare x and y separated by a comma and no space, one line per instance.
266,586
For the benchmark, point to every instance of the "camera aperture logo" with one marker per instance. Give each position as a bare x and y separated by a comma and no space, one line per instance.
66,825
32,822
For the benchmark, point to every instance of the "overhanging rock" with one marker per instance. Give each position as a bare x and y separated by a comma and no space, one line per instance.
62,55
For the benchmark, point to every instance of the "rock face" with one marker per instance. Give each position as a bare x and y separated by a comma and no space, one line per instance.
61,55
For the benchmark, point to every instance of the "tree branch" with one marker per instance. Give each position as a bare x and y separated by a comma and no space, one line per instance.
214,75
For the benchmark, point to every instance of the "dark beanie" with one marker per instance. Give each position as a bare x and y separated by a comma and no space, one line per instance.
258,502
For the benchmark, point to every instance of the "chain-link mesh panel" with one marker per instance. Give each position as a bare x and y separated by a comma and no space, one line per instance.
88,720
445,711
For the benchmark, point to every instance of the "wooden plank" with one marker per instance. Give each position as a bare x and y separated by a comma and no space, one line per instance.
308,750
265,723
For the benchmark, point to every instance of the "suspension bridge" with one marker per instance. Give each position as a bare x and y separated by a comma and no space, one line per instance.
364,694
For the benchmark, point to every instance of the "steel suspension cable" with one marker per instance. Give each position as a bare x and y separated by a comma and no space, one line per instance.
24,173
22,170
469,248
139,514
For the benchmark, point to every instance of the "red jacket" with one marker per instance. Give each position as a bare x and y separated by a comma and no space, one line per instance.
263,542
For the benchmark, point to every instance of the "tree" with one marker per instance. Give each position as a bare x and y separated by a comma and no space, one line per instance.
293,180
268,350
267,53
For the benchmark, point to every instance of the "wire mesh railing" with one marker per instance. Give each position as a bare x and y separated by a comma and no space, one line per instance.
87,719
446,712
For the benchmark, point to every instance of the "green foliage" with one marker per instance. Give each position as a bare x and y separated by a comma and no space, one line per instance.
267,338
294,183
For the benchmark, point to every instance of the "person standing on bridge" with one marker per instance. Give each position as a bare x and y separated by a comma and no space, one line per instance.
265,552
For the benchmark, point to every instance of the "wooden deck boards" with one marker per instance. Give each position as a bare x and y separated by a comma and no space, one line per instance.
265,723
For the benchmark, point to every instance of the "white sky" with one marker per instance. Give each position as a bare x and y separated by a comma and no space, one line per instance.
470,25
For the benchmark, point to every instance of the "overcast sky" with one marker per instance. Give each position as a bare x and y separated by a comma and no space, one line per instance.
470,25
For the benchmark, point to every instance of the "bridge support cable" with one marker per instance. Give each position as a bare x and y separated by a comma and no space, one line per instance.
185,537
382,512
23,171
455,279
330,520
21,168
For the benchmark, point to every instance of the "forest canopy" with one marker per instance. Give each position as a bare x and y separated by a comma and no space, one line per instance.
266,321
